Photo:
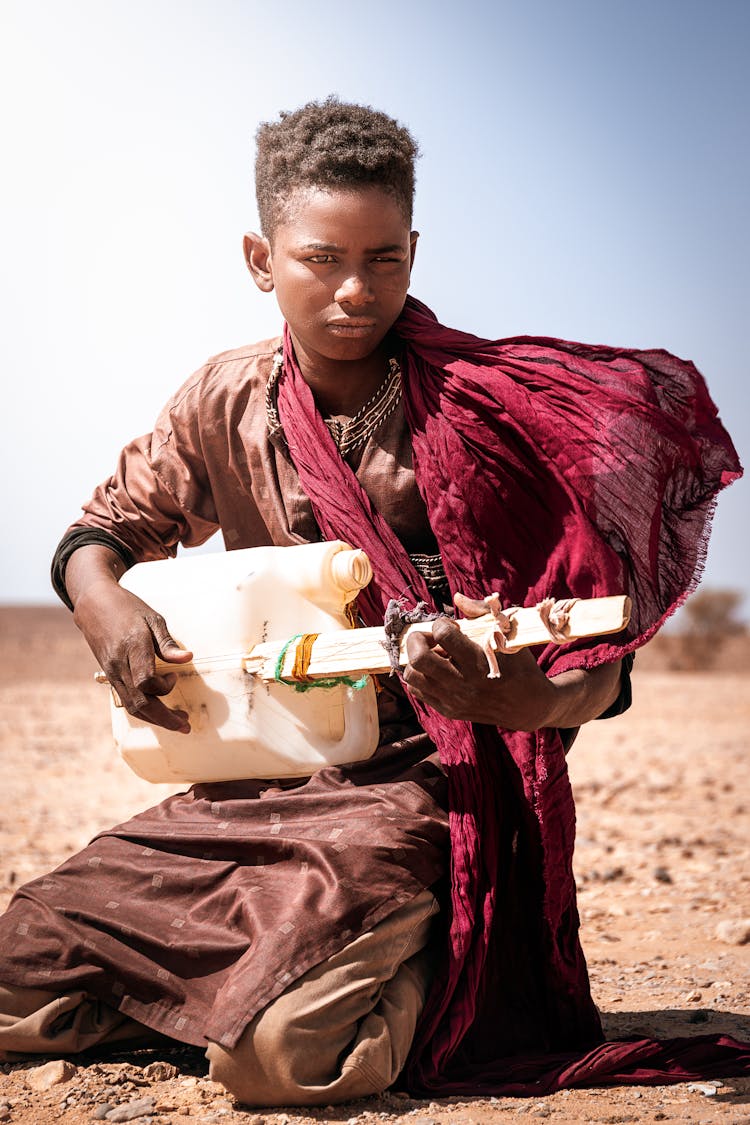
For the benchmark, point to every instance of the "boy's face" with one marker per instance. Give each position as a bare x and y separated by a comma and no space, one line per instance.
340,263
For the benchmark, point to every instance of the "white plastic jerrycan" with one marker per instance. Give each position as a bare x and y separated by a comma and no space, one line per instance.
219,606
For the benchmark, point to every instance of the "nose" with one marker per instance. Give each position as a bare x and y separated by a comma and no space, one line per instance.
354,290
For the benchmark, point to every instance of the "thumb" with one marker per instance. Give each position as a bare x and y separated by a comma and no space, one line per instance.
165,645
455,644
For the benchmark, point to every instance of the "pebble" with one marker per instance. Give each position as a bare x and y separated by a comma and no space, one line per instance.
189,1082
160,1071
128,1112
692,997
662,875
734,931
50,1074
702,1088
102,1111
4,1112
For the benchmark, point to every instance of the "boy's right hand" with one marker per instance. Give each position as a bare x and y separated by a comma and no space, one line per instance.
125,635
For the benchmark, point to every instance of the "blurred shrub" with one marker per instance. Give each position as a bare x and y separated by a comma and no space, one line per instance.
712,614
706,631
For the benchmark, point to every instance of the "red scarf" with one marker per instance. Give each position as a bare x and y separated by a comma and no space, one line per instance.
547,468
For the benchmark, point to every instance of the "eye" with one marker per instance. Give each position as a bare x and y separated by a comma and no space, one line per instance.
321,259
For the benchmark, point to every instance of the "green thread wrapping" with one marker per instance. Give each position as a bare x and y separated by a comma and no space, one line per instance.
334,681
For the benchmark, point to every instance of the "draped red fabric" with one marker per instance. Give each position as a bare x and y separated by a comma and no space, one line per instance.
547,468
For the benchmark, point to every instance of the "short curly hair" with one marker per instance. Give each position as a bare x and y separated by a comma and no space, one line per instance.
332,144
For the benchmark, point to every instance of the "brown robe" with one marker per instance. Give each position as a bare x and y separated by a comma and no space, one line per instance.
194,915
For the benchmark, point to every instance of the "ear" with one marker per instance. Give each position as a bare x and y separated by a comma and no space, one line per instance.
258,257
412,247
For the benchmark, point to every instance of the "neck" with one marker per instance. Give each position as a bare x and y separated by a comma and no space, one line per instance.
342,386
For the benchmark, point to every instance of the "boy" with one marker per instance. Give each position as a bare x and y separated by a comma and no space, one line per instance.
373,424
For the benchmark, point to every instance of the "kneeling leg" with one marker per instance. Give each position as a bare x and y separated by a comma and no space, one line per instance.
344,1029
34,1021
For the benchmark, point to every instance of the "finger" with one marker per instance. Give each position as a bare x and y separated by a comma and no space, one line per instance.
159,684
420,685
463,652
148,708
142,698
418,642
431,675
428,658
141,664
165,644
470,607
154,711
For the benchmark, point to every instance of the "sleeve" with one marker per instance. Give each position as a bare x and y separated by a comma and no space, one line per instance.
620,705
73,539
625,698
159,495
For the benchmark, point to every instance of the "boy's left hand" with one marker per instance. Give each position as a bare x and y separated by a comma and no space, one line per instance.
448,671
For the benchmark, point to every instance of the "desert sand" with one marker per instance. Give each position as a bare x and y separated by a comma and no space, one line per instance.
662,863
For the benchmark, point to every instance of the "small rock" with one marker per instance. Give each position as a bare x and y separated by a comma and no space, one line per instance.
50,1074
255,1119
4,1113
692,997
160,1071
209,1087
189,1082
702,1088
734,931
102,1111
662,875
138,1108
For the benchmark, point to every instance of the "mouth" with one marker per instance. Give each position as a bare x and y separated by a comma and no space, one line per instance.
352,327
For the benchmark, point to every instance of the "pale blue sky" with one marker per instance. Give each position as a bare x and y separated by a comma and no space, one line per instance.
585,174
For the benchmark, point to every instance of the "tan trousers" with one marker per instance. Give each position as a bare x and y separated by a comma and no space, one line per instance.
342,1031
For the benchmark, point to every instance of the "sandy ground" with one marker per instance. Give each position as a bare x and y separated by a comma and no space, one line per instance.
663,859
